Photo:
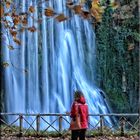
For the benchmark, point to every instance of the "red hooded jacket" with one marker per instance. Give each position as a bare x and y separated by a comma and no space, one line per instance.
81,107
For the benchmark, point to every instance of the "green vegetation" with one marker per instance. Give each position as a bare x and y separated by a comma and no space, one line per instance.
118,56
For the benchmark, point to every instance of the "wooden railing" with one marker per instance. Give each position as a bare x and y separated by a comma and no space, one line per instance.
121,121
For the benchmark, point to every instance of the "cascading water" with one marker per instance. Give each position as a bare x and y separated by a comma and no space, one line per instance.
54,58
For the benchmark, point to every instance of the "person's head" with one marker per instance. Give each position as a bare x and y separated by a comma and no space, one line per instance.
77,95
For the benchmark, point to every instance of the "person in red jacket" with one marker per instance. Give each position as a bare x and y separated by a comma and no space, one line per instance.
79,107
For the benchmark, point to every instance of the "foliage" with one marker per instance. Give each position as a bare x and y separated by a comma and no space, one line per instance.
117,57
14,21
117,42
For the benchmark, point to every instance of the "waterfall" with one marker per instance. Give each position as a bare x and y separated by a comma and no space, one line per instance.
50,64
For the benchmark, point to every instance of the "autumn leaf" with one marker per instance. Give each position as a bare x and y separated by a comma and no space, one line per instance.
11,47
13,33
85,14
16,20
17,41
8,3
97,10
24,21
49,12
5,64
69,4
77,9
60,17
32,29
31,9
1,11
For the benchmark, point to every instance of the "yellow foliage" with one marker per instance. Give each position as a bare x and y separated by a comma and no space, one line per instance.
114,5
82,1
1,11
97,10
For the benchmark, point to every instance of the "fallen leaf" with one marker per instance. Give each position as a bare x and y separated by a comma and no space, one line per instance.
49,12
11,47
77,9
16,20
17,41
85,14
5,64
69,4
24,21
31,9
32,29
13,33
61,17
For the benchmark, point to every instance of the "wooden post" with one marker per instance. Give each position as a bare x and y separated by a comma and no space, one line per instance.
20,124
122,124
60,124
38,124
101,124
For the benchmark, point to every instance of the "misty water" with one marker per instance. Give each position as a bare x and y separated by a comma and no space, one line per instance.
50,64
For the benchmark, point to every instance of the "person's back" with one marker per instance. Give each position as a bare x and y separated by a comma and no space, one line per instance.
83,112
79,107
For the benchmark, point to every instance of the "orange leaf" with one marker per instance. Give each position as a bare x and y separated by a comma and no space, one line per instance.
8,4
1,11
16,20
77,9
32,29
17,41
31,9
85,14
24,21
61,17
69,4
49,12
13,33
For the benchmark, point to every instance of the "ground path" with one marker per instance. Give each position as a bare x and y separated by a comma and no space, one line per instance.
93,138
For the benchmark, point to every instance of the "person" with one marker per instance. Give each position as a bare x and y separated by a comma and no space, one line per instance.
80,107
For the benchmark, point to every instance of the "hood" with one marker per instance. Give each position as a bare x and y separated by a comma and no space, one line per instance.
81,100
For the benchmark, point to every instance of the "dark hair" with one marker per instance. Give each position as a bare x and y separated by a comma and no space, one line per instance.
78,94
